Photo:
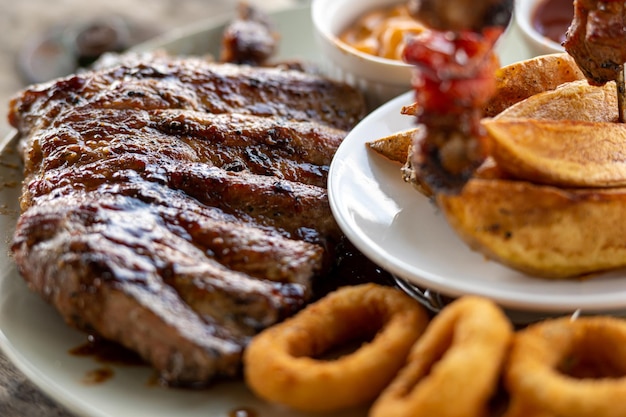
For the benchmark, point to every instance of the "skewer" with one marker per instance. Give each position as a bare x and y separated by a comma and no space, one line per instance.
621,95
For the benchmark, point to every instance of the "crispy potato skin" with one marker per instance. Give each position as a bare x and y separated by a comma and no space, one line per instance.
554,217
565,153
542,230
576,100
394,147
520,80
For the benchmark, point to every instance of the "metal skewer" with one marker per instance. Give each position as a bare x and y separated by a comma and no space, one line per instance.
621,95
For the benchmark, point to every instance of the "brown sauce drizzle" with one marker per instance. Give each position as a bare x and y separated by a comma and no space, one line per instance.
107,353
551,18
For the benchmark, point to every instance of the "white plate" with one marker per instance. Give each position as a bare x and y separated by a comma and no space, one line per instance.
402,231
36,339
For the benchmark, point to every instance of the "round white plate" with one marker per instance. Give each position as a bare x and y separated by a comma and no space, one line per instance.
402,231
36,339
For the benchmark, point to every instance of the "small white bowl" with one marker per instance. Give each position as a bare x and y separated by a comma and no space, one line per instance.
539,44
380,79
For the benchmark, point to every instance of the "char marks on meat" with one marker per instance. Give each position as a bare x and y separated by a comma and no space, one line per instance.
157,81
178,206
596,39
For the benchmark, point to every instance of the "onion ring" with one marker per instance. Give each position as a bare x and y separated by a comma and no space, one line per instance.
454,368
565,367
282,364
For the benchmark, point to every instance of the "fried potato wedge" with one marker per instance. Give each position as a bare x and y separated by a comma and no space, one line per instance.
541,230
576,100
395,146
560,152
520,80
515,83
550,199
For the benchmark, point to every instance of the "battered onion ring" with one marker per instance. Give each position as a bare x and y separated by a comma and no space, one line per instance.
454,368
281,365
565,367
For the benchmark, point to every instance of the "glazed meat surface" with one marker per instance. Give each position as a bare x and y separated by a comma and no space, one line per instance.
157,81
596,39
178,206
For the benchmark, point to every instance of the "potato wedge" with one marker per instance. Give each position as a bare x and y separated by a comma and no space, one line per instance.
560,152
515,83
395,146
520,80
576,100
544,231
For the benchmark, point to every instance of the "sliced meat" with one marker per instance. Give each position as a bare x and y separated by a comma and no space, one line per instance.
160,82
290,150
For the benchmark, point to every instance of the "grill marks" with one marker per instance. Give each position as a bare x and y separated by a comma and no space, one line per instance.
163,209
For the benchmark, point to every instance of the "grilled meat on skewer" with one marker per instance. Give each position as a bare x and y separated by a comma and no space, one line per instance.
596,40
454,79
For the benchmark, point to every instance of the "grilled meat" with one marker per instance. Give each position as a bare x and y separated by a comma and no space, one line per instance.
454,79
168,282
177,206
290,150
156,81
595,39
260,144
250,38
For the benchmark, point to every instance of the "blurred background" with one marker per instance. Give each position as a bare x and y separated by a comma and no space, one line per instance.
32,29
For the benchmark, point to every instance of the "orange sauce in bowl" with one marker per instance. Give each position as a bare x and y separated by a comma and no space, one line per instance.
382,32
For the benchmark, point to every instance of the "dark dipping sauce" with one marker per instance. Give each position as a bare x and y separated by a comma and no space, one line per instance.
551,18
243,412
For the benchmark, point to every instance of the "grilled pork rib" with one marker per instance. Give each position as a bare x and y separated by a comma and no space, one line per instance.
178,206
156,81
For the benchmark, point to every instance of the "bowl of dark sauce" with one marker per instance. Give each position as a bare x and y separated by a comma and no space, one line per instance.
544,23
